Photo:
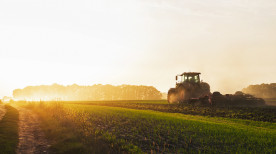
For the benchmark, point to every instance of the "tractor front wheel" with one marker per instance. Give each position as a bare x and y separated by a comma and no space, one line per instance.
172,96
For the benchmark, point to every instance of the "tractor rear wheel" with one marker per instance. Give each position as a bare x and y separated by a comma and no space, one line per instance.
183,93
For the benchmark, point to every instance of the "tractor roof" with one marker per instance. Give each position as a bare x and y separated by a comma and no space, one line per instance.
190,73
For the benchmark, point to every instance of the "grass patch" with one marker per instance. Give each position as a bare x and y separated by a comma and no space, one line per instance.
9,131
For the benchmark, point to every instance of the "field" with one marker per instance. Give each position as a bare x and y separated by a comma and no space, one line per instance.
155,127
271,101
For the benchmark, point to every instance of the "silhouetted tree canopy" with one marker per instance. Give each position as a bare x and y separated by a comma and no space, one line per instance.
262,90
85,93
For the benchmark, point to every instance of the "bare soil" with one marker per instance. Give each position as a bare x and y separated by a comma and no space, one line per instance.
31,138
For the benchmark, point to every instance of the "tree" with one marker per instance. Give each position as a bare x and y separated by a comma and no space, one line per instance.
262,90
86,93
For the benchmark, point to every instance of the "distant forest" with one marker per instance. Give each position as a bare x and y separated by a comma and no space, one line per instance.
262,90
85,93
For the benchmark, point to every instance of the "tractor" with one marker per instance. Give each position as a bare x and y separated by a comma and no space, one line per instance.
188,87
191,90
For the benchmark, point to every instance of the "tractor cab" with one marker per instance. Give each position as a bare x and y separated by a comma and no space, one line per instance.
191,77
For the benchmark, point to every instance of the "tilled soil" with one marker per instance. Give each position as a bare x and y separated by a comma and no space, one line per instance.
31,138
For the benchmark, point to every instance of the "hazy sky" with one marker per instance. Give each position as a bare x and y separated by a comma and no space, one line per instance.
148,42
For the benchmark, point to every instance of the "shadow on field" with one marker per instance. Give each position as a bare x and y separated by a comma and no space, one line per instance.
9,131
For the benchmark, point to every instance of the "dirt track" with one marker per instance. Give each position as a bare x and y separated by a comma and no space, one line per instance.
31,137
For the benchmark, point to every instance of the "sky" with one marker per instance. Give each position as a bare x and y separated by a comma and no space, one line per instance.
138,42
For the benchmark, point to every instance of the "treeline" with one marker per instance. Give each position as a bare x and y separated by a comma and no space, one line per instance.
85,93
262,90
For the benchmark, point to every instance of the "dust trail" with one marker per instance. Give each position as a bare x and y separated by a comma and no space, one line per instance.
31,137
2,111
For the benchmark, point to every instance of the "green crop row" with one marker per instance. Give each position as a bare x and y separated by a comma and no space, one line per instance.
155,131
266,113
